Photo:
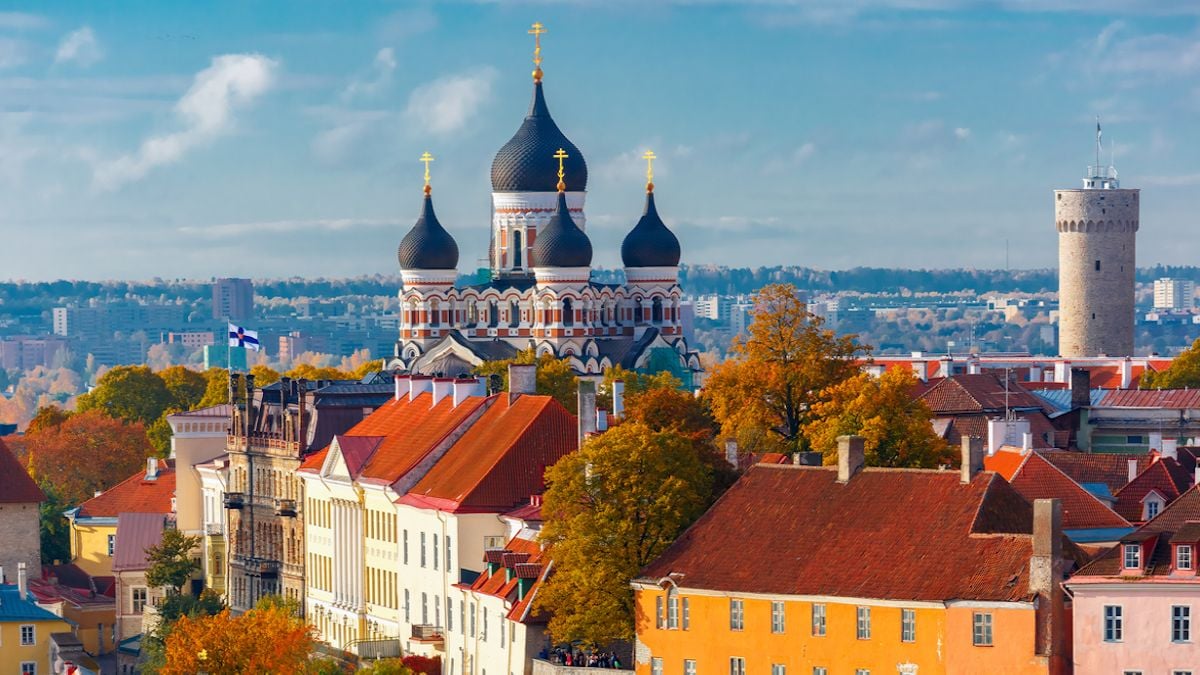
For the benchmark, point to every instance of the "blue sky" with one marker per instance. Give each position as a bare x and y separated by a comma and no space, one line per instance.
144,139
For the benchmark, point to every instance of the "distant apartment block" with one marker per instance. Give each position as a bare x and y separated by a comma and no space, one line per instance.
1174,294
89,322
232,299
192,339
713,307
24,353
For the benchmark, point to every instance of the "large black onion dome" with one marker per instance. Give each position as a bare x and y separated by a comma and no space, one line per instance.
428,246
561,243
650,243
526,162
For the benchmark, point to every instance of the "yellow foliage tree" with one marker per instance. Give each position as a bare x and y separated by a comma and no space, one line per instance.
263,640
1184,372
555,377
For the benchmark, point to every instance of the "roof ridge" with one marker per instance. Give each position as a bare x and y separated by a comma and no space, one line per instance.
1082,489
543,404
1143,472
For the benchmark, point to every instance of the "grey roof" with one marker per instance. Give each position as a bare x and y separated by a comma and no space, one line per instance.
506,283
135,533
561,243
1060,399
650,243
526,162
428,246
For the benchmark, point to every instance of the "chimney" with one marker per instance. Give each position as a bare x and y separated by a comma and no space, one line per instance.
468,387
419,384
973,366
945,367
1026,443
442,387
1061,368
22,582
402,383
919,368
851,456
1045,578
151,468
618,392
972,457
1035,373
808,459
1133,469
731,453
1081,388
1126,372
586,399
1170,448
522,379
601,420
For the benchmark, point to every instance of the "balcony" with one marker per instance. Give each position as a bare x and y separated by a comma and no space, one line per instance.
427,633
234,500
285,507
265,569
214,529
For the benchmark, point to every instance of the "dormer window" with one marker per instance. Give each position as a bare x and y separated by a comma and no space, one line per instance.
1153,506
1183,556
1133,556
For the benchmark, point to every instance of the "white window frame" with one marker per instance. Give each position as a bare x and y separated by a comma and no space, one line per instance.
818,619
1131,558
656,665
981,630
112,545
820,670
672,610
1181,624
29,668
908,625
133,598
1183,557
863,622
737,615
778,617
689,667
737,665
32,640
686,622
660,612
1153,508
1113,626
778,669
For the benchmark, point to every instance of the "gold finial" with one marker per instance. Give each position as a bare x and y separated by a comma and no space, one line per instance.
649,156
536,31
560,156
427,158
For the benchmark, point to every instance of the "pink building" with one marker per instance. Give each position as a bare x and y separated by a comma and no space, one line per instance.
1135,606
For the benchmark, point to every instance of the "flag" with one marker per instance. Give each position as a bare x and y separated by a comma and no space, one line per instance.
1098,130
240,337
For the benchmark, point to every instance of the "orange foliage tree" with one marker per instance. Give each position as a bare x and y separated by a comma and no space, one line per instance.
267,639
88,451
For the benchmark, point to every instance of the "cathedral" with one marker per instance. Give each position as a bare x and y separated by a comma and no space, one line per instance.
541,295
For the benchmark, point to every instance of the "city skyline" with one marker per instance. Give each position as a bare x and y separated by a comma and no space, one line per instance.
142,141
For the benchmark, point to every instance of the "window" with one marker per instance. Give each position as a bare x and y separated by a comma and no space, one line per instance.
777,621
1181,672
1097,265
448,562
449,615
472,619
407,606
862,671
483,631
864,623
737,665
518,250
1133,556
112,544
908,625
28,668
778,669
139,599
687,615
656,666
422,549
28,635
737,610
981,636
818,670
689,667
818,620
659,612
1183,557
406,547
672,611
1181,623
1153,506
1113,624
425,608
435,552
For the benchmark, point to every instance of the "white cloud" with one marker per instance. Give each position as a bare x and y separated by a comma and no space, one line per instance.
79,46
382,68
22,21
446,105
350,131
205,111
962,133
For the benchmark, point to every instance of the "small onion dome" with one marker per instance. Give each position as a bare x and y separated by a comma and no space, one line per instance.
524,164
561,243
650,243
428,246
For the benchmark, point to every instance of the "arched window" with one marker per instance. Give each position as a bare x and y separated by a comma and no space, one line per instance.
472,313
435,318
493,314
568,310
637,310
656,313
514,314
518,249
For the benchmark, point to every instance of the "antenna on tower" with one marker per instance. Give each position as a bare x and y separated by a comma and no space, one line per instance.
1098,141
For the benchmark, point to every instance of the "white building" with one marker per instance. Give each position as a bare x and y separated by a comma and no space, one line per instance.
1177,295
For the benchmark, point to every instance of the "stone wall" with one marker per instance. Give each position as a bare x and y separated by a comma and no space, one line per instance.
20,540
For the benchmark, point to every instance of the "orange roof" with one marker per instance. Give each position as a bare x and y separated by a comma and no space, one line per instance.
314,461
1165,476
498,584
135,494
1005,463
1037,478
410,429
502,459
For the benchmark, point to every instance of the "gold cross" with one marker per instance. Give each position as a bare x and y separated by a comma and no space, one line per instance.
537,31
560,156
649,156
427,158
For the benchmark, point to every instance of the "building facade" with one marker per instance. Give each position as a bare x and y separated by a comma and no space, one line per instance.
25,629
232,299
20,502
1177,295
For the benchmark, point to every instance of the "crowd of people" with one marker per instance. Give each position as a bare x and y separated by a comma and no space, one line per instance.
575,657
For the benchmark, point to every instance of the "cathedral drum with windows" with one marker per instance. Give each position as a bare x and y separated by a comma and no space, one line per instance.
541,295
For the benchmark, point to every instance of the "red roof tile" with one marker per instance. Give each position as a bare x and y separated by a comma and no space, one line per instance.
1177,399
134,495
1005,463
19,488
887,534
314,461
1178,513
984,392
1165,476
1081,510
527,562
410,429
1095,467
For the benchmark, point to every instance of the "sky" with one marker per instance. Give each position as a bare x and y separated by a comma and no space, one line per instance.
278,139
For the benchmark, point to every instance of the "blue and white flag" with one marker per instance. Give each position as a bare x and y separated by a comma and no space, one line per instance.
240,337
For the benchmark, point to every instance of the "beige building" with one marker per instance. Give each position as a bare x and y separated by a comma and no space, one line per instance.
135,533
197,438
1177,295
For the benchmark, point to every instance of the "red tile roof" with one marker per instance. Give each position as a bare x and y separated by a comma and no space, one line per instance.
886,534
502,459
19,488
528,563
1178,399
1165,476
134,495
314,461
984,392
1175,517
1037,478
1095,467
1005,463
410,429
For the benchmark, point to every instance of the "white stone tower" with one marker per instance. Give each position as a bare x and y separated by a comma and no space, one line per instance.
1097,231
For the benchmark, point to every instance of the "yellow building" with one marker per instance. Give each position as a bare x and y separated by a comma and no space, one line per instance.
25,631
822,570
94,522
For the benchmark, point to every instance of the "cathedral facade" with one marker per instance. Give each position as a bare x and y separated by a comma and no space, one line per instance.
541,295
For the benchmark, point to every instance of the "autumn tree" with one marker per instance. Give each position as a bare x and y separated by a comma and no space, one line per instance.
555,377
216,388
310,372
263,640
894,423
130,393
264,375
89,451
171,562
1183,373
47,416
610,508
764,394
185,385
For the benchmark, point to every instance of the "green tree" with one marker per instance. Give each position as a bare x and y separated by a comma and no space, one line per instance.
55,530
555,377
386,667
1184,372
895,425
186,386
130,393
610,508
171,562
763,396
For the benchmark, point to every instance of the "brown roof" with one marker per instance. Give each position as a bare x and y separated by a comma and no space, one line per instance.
136,532
1090,467
1151,398
984,392
1175,517
1165,476
135,494
19,488
1039,479
887,534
